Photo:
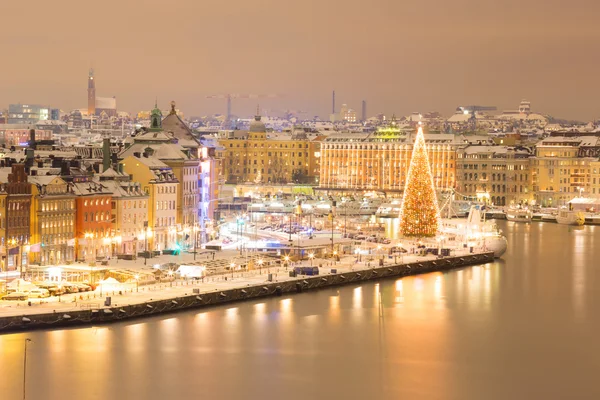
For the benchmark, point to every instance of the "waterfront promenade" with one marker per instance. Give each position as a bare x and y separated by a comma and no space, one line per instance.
19,315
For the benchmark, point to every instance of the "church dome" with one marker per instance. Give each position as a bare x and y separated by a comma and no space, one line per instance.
257,125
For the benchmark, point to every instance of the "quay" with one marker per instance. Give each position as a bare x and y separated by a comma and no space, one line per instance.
195,294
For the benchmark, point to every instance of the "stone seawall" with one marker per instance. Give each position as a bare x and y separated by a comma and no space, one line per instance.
299,284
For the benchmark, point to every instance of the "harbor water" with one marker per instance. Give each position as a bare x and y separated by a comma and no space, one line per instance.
523,327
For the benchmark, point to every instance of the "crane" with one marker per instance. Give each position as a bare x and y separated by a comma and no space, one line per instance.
239,96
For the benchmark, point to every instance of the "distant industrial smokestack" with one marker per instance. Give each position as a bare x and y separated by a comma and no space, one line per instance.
333,103
106,154
364,111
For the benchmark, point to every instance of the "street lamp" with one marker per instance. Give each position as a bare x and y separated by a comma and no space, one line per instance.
27,340
287,261
311,256
335,256
170,273
137,283
260,263
232,266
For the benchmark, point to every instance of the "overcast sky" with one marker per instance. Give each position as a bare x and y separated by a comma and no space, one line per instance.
400,56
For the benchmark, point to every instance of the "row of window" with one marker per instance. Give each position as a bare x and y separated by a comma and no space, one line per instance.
96,217
165,221
58,205
165,205
129,204
96,202
271,146
163,189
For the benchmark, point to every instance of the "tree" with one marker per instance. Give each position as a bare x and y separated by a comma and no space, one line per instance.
419,215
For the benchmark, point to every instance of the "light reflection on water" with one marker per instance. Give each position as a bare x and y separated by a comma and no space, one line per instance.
522,327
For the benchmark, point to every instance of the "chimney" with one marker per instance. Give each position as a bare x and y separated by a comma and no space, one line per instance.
64,168
29,157
120,168
136,154
32,138
106,154
34,172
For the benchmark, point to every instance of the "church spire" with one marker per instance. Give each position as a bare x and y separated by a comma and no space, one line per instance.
156,118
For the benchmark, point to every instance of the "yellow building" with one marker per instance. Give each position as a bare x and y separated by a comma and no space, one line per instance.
561,169
181,155
52,221
159,182
260,157
129,210
380,160
595,175
3,195
498,175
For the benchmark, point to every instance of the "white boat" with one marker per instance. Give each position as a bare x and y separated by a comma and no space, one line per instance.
570,217
476,232
592,219
519,214
389,210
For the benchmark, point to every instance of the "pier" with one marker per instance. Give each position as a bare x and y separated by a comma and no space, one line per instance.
196,295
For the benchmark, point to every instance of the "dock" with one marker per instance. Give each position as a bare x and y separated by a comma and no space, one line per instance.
192,295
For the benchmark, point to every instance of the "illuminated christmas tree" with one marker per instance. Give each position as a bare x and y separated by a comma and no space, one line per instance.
419,215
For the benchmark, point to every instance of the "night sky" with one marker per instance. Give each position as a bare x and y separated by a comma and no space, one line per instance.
400,56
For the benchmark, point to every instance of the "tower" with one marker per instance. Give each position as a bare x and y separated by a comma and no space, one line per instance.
156,118
91,93
419,214
333,102
364,111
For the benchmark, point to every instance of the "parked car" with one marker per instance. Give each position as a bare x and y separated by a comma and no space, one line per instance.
38,293
15,296
52,288
82,287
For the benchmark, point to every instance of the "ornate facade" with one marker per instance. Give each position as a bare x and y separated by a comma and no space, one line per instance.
380,160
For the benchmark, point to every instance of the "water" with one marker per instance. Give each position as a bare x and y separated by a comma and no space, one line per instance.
525,327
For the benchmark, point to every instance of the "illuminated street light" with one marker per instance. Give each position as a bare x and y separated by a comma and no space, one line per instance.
311,256
232,266
137,283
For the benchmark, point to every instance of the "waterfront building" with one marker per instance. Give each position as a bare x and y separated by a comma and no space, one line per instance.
3,246
52,221
211,181
498,175
257,156
129,210
160,183
93,220
183,162
380,160
595,175
17,211
561,168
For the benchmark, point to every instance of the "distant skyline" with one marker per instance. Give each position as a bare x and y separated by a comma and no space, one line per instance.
399,56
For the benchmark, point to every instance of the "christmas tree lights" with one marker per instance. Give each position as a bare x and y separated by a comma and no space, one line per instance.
419,215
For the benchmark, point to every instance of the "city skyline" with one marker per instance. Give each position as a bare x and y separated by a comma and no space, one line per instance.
400,58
